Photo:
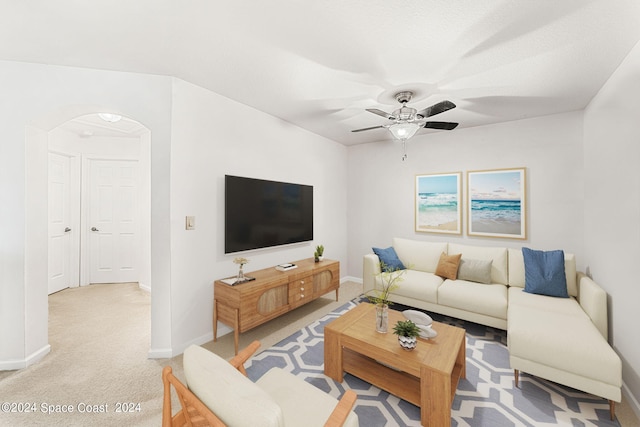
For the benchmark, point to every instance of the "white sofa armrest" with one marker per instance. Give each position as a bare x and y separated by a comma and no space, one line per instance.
370,269
593,300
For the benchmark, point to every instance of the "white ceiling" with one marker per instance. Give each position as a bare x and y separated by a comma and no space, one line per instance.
320,64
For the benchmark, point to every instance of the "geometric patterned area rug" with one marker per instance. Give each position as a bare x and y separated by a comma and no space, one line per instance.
487,397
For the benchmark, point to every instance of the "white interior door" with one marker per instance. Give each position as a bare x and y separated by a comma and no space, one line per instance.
113,221
60,231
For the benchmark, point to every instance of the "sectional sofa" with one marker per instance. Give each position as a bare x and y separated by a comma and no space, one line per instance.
562,339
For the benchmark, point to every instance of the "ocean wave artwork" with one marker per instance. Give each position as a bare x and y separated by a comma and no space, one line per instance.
496,203
438,203
438,208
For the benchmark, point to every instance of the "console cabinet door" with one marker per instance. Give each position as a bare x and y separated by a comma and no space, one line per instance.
264,304
326,281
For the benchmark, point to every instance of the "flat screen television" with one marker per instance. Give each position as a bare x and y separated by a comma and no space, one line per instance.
261,213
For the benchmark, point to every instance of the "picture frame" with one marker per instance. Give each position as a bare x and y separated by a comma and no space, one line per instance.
496,203
438,203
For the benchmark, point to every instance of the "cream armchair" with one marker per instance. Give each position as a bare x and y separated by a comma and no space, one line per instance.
220,394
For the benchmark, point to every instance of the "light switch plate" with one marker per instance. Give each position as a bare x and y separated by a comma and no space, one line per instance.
190,223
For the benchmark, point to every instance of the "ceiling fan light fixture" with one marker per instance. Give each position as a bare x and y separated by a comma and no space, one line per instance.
110,117
403,131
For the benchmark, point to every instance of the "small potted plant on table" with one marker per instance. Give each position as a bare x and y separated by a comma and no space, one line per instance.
407,333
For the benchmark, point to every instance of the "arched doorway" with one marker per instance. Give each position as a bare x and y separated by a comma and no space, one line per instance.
36,233
99,202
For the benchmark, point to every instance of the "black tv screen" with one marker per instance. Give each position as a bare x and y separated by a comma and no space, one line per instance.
261,213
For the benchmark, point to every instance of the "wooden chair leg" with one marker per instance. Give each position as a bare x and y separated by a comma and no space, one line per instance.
612,409
516,374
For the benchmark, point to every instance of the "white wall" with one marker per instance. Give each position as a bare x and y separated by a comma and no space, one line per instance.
35,99
196,138
612,208
381,185
213,136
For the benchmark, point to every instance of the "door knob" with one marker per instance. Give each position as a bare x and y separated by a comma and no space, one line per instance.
94,229
67,229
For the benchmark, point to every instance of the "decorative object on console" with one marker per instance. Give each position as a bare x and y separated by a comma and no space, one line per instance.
423,321
286,267
407,333
319,253
496,205
407,121
544,273
241,261
448,266
438,207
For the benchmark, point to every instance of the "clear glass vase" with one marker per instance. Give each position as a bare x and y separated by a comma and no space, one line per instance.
240,277
382,318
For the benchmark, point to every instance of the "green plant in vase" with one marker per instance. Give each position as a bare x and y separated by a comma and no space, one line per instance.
407,333
387,281
319,253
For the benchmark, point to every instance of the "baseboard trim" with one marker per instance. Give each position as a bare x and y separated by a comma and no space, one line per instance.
144,287
35,357
351,279
630,398
160,353
167,353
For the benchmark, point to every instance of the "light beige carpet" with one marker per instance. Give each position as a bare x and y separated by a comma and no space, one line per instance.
99,338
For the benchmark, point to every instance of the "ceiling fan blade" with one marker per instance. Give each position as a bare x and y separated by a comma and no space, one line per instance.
380,113
438,108
373,127
441,125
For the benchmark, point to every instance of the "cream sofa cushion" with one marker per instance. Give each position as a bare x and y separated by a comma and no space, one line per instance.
418,255
419,285
497,255
517,297
490,300
567,341
302,403
517,273
234,398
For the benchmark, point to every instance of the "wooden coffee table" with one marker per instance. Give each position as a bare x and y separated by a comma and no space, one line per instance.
427,376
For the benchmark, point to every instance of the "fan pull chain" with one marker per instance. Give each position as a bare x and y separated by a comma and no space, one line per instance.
404,150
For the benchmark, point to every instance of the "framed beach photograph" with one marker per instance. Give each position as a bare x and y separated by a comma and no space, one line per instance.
438,207
496,205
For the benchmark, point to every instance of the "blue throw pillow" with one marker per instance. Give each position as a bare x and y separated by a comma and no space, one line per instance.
390,258
544,273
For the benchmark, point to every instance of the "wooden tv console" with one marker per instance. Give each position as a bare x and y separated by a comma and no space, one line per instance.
272,294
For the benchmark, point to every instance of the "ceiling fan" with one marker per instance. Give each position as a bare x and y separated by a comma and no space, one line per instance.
407,121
